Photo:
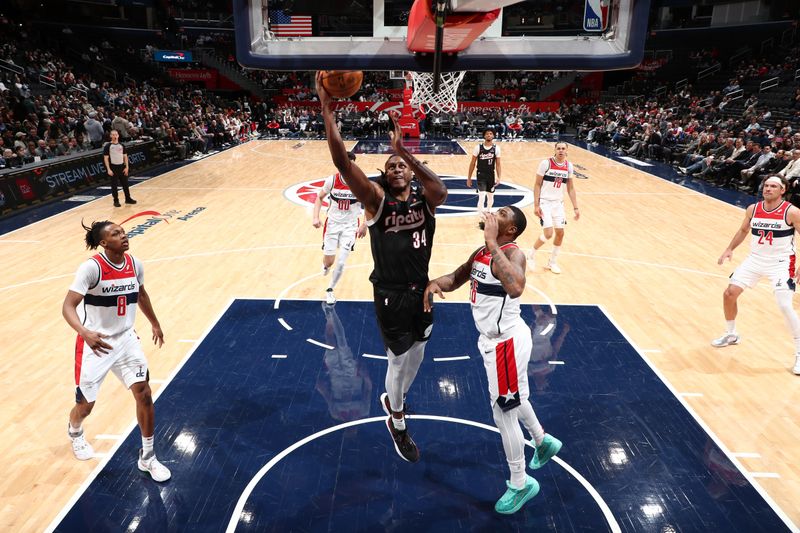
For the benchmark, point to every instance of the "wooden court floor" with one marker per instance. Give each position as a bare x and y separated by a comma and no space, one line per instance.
645,249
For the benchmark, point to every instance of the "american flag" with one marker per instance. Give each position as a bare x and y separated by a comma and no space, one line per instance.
283,25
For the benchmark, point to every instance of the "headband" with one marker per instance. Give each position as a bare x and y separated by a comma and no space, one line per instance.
775,179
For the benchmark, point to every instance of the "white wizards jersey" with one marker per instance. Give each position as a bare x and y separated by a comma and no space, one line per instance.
111,293
555,178
494,311
343,207
772,237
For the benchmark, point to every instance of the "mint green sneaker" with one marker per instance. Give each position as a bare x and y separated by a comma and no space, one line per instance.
513,499
549,447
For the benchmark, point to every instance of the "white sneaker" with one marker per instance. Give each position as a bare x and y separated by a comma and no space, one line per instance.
796,368
330,299
554,268
531,261
83,450
157,471
726,340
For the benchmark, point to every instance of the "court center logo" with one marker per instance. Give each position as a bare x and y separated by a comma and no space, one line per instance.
153,218
461,201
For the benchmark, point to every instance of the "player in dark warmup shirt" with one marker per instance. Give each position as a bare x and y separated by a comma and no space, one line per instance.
400,216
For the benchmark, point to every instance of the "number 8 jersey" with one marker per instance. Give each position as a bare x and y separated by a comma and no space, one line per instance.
110,293
772,236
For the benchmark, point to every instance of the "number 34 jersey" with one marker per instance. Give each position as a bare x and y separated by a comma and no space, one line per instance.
343,207
110,293
772,237
401,237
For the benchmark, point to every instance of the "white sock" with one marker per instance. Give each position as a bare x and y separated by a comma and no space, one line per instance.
489,201
481,200
554,254
147,447
518,476
75,431
399,423
730,327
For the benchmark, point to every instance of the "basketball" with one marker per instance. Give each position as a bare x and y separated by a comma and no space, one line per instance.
342,83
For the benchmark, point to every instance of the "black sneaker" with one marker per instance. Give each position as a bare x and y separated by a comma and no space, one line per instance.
403,444
387,408
117,204
130,201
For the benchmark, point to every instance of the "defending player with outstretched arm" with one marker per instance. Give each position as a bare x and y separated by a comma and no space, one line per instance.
496,273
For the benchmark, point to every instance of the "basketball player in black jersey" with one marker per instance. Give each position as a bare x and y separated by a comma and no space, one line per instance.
400,216
487,158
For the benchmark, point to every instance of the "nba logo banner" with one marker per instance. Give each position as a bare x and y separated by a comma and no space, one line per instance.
595,15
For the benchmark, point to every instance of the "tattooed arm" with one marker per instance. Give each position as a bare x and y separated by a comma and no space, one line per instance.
507,265
448,282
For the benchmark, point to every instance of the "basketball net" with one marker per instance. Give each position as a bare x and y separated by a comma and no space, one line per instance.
443,101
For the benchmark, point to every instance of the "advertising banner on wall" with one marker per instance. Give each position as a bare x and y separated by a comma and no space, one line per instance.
59,177
173,56
358,107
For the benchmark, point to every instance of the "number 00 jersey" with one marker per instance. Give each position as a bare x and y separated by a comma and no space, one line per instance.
401,237
494,311
110,293
343,208
772,237
555,178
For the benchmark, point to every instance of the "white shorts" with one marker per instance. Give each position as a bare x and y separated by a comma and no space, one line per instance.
552,213
125,359
506,363
337,236
752,269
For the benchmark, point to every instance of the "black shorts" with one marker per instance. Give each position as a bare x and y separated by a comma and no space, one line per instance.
401,317
486,182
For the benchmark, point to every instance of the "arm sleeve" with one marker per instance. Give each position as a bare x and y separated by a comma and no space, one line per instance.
570,170
105,149
543,166
476,152
497,150
87,277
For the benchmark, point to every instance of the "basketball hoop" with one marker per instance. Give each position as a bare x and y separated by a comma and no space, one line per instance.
441,101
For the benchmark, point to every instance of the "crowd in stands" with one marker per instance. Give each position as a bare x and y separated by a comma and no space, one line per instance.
49,109
67,113
699,137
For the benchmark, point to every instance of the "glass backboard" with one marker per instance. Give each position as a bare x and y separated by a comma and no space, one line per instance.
582,35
